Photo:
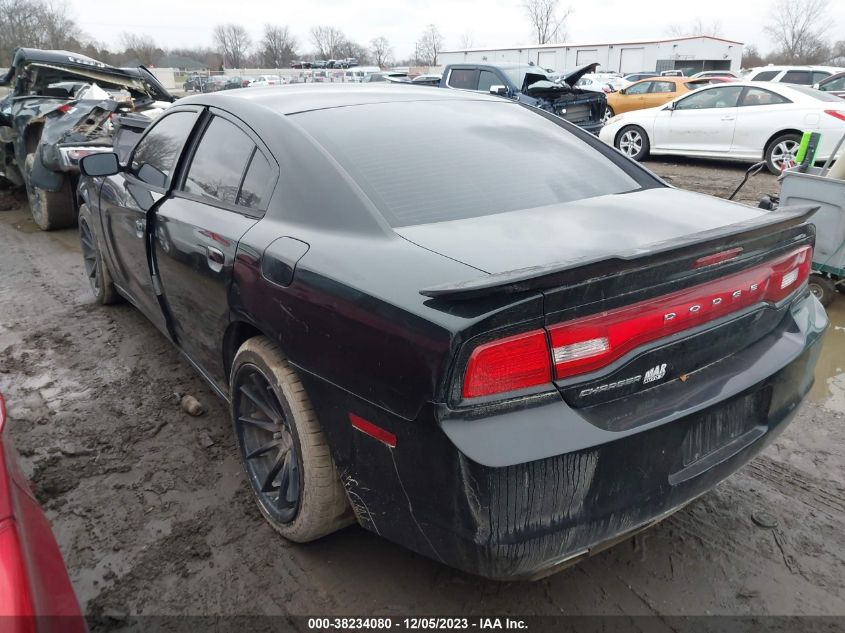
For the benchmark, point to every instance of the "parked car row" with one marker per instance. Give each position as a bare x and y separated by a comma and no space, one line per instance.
348,62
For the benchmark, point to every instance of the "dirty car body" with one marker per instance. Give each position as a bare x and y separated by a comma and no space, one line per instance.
547,353
533,86
58,110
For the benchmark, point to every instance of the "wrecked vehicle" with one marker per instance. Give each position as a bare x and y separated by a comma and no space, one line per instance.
472,370
533,86
58,110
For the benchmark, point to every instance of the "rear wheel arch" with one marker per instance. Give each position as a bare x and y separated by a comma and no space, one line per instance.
774,136
237,333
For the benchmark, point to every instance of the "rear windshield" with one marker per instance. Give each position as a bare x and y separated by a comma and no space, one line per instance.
434,161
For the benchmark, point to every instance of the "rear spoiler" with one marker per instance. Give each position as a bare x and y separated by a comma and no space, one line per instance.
576,270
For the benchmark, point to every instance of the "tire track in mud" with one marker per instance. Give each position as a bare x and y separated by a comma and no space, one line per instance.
824,496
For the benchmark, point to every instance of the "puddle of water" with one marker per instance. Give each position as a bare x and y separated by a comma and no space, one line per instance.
829,389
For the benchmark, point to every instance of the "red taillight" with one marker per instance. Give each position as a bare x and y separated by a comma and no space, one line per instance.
836,114
64,108
511,363
591,343
588,344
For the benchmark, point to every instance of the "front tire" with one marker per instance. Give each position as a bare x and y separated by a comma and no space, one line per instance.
282,447
633,142
50,209
608,114
96,269
780,153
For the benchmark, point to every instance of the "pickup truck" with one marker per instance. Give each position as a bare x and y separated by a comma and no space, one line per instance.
533,86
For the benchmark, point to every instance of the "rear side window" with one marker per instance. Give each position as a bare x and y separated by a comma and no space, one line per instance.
256,182
463,78
156,154
219,162
663,86
766,75
423,162
803,77
760,96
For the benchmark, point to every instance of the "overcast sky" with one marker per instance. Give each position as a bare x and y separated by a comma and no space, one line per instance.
175,23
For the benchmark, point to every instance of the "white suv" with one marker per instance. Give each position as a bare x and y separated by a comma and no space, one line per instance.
804,75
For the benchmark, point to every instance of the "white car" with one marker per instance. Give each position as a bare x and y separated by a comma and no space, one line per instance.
267,80
715,73
804,75
744,121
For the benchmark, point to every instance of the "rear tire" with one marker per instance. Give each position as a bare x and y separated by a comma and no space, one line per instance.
280,428
822,288
96,269
780,153
633,142
50,209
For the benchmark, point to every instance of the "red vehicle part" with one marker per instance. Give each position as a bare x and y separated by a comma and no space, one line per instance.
36,595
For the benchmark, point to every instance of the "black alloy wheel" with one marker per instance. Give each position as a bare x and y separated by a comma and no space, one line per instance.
268,444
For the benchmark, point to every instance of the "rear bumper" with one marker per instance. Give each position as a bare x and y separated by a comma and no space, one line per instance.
522,520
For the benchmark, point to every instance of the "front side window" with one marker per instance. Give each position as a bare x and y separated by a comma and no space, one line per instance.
836,84
487,79
155,157
819,76
711,98
639,89
219,162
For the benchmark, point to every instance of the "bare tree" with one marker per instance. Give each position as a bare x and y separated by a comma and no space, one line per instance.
800,28
327,40
381,50
36,24
352,50
278,47
142,47
233,42
751,57
696,27
466,40
547,21
429,45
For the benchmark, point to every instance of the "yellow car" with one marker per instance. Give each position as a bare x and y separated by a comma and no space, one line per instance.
649,93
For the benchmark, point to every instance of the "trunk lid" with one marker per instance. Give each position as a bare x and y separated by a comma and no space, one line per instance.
580,231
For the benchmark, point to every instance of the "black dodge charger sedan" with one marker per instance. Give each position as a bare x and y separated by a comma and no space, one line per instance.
464,323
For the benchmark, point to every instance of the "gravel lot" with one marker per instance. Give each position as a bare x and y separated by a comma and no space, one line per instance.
153,515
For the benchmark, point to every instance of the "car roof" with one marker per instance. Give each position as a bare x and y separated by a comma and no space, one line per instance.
293,98
670,78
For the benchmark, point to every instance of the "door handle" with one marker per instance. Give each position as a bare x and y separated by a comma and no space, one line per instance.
215,258
140,228
728,118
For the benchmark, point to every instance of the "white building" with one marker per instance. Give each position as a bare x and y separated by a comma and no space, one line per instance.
694,53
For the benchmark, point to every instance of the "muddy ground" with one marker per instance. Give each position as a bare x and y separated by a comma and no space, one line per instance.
152,513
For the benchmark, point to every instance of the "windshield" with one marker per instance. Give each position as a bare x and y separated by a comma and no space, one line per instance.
433,161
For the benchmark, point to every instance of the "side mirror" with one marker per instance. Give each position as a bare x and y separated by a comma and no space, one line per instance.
105,164
670,105
623,91
816,86
499,90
